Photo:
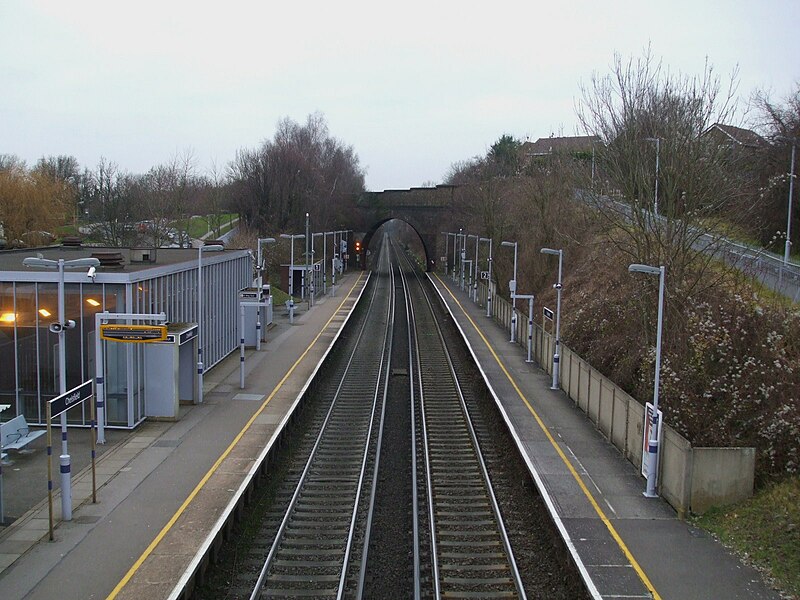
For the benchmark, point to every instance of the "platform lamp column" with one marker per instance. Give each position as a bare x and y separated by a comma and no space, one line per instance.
200,250
268,240
290,301
60,328
474,291
556,353
446,249
489,282
513,288
658,149
652,442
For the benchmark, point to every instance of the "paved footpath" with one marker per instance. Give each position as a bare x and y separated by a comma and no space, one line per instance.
162,485
629,545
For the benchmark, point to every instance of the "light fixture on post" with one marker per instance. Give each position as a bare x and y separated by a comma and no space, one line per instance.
657,140
200,250
473,292
60,328
788,246
290,301
652,441
556,354
489,280
267,240
512,285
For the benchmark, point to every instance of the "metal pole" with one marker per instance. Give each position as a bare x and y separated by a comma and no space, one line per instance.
556,354
200,324
530,327
658,148
652,471
305,265
98,378
475,271
489,283
66,467
788,247
324,262
446,249
514,299
652,441
241,346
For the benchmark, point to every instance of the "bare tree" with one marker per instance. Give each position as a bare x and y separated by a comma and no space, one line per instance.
674,182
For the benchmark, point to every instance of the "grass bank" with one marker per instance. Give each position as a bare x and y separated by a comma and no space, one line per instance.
765,532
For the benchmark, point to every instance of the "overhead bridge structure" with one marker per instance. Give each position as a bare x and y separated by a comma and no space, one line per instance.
428,210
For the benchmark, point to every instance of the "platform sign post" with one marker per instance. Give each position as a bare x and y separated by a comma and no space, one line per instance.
529,298
648,426
56,407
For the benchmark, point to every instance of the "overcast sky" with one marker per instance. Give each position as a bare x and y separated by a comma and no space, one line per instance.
413,88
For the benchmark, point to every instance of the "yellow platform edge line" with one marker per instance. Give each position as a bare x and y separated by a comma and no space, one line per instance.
606,521
149,550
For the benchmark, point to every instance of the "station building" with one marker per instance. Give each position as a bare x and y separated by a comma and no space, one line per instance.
140,281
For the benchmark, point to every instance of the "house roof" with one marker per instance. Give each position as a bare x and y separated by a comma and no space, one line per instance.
737,135
556,145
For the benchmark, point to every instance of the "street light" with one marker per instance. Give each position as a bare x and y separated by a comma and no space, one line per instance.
63,324
652,442
446,248
658,146
489,281
200,250
474,290
292,238
556,357
268,240
512,285
788,246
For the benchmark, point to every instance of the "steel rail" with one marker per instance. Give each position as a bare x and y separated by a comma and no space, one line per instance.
439,420
336,452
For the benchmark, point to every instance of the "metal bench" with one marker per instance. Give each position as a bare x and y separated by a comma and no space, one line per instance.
15,434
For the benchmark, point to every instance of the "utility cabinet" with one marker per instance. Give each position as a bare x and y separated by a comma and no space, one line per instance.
253,315
171,372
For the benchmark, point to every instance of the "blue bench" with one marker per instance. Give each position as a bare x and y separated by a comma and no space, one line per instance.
15,434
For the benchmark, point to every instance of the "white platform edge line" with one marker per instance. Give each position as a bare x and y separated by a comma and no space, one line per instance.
592,589
177,590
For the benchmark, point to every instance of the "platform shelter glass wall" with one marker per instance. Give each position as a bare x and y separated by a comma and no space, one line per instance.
29,352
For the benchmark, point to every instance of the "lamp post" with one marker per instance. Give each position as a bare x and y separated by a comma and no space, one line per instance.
657,140
268,240
556,357
446,248
474,290
292,238
489,281
200,250
652,442
455,260
512,285
60,329
788,247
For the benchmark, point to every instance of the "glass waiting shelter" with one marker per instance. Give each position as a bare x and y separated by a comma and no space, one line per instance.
140,281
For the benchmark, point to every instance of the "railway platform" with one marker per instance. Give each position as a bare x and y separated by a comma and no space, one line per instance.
628,545
162,488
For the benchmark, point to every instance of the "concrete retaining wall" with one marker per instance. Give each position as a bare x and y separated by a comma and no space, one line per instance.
690,479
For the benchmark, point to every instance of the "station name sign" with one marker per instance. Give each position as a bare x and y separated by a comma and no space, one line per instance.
133,333
71,398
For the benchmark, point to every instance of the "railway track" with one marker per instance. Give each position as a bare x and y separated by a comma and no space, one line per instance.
353,511
318,536
470,555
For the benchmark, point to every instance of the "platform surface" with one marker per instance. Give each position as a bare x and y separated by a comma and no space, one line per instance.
631,546
160,487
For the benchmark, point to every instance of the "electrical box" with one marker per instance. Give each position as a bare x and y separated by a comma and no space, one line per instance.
253,315
170,369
